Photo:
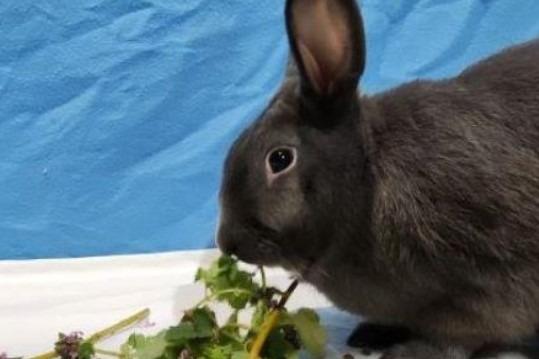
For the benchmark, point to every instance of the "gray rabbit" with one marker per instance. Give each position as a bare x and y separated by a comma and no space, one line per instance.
417,208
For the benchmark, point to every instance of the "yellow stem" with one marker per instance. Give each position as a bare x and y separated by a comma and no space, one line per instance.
49,355
105,333
118,327
270,322
265,329
108,352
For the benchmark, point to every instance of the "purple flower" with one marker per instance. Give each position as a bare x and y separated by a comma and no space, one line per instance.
3,356
68,346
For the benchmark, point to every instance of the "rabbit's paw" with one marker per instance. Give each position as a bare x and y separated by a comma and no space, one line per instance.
378,337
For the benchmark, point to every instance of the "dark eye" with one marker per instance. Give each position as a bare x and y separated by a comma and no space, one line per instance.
280,159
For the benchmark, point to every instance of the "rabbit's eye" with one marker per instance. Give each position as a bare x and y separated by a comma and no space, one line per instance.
280,159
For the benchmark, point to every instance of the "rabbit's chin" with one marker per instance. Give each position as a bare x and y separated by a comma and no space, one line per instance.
259,259
270,263
300,269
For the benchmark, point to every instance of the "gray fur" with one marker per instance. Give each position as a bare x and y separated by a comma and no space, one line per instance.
416,207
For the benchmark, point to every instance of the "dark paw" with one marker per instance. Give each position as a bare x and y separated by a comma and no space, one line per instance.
378,337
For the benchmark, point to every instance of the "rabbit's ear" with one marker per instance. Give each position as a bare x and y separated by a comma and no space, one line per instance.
291,67
327,40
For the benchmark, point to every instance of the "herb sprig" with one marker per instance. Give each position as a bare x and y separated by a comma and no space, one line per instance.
272,333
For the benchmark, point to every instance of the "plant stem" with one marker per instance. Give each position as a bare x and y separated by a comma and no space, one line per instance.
105,333
287,294
270,322
263,277
231,337
107,352
49,355
209,298
120,326
239,326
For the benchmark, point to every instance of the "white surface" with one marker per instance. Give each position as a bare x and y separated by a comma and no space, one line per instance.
40,298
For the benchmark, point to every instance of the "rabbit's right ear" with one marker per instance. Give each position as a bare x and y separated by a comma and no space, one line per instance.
327,40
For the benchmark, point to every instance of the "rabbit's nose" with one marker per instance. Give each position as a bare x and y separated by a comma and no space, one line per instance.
229,248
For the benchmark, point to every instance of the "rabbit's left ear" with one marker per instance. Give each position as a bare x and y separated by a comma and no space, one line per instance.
327,40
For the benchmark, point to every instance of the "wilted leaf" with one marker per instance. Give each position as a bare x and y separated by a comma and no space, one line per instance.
139,346
312,335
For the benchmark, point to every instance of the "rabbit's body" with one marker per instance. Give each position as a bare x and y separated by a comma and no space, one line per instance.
418,207
455,207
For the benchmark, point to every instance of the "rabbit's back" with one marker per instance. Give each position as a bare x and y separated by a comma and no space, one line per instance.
456,169
510,80
457,161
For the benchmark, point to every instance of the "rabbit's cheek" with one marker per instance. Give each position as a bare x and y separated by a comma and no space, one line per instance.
283,208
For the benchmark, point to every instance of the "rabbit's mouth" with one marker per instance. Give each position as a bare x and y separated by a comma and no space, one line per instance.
251,242
307,268
312,269
259,252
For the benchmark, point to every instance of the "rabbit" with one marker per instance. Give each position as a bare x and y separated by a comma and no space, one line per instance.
416,208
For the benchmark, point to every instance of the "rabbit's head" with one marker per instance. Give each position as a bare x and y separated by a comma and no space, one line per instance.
292,183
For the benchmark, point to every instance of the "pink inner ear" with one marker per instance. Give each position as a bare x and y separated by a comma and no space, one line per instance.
321,36
311,67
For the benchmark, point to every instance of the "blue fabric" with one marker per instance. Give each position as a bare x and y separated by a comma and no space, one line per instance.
116,115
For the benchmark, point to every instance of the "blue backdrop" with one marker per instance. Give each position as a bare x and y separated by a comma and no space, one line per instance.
115,116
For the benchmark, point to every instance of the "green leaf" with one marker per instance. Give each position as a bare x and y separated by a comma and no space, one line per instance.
225,275
259,314
127,351
199,335
216,270
218,352
276,346
229,337
292,355
229,333
204,322
139,346
181,333
311,333
198,323
86,350
240,355
232,318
